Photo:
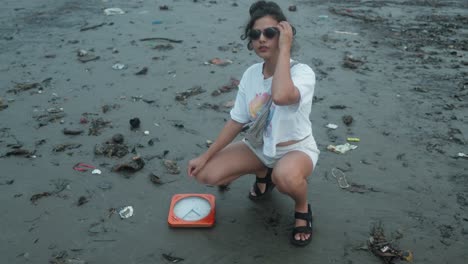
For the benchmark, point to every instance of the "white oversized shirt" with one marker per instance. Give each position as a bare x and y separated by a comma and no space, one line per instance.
289,122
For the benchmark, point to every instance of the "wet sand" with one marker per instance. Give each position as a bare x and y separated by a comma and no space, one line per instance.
405,85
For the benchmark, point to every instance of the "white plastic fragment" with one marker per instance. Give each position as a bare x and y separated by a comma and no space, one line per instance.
118,66
341,149
113,11
332,126
462,155
126,212
96,171
146,132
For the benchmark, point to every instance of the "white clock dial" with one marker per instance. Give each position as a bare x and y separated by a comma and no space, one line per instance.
192,208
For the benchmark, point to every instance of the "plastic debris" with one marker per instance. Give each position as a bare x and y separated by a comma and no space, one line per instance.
83,167
347,120
383,249
340,178
332,126
96,171
462,155
353,139
113,11
183,96
126,212
143,71
219,62
85,56
341,149
134,123
292,8
156,22
171,258
118,66
146,132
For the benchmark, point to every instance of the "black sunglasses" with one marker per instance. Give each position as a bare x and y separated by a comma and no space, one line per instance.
269,33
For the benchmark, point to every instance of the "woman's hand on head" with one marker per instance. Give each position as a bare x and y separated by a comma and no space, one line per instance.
285,36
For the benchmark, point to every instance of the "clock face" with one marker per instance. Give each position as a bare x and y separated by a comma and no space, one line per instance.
192,208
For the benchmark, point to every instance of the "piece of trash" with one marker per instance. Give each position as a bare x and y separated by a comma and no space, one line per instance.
113,11
20,152
219,62
155,179
66,146
353,139
83,167
133,165
233,84
340,178
229,104
171,258
85,56
82,200
346,33
351,62
380,247
96,171
118,66
91,27
156,22
164,39
126,212
462,155
171,166
292,8
112,148
97,125
341,149
208,143
323,16
143,71
163,7
146,132
332,126
73,132
347,120
183,96
134,123
118,138
337,106
38,196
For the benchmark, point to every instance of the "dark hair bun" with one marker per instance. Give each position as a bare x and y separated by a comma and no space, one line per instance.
264,6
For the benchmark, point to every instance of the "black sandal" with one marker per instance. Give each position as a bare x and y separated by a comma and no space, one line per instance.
268,188
302,229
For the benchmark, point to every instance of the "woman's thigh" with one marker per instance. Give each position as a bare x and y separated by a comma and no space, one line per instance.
292,168
233,161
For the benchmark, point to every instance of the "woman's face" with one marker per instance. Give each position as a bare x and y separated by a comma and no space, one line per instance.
265,47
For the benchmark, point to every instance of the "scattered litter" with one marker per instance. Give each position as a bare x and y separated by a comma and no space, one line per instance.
353,139
143,71
134,123
341,149
73,132
118,66
146,132
83,167
164,7
171,166
85,56
292,8
351,62
66,146
219,62
82,200
340,178
347,120
229,104
156,22
360,188
462,155
165,39
332,126
38,196
112,148
20,152
323,17
96,171
162,47
134,165
337,106
233,84
92,27
383,249
183,96
126,212
97,125
155,179
208,143
113,11
346,33
106,108
171,258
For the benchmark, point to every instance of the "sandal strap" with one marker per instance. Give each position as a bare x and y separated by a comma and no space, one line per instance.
266,179
304,216
302,229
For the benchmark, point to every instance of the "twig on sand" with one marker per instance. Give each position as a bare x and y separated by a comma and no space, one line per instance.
166,39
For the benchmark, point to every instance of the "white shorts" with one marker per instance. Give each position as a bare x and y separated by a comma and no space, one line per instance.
307,145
